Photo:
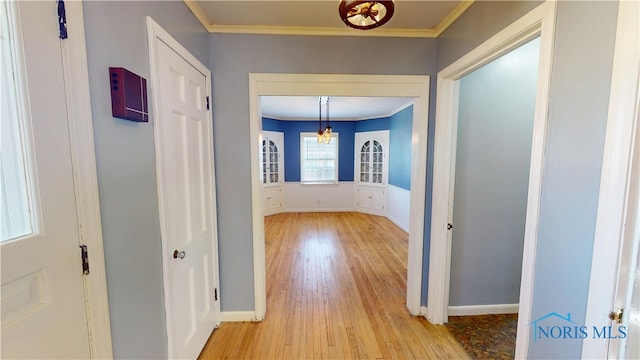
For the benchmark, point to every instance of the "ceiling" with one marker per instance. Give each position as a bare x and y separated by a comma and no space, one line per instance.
412,18
340,108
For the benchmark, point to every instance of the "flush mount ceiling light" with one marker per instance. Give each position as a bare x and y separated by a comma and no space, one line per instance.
365,15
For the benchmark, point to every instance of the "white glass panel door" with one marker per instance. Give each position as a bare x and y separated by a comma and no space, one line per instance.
272,171
371,171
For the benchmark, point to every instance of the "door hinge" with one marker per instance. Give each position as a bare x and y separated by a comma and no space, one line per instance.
617,315
84,254
208,103
62,19
215,294
449,226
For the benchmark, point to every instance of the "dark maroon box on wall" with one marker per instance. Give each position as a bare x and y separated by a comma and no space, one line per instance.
128,95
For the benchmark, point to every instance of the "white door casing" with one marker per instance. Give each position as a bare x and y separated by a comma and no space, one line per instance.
272,170
184,152
613,282
371,171
538,22
413,86
43,293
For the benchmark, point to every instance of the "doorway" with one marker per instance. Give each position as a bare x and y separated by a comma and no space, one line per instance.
415,87
537,23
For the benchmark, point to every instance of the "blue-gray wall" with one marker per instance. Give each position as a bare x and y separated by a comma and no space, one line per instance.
495,126
579,102
580,84
477,24
400,135
116,36
232,58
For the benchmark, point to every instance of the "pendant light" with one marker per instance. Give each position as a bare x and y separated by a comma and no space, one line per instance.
324,135
327,130
365,15
320,130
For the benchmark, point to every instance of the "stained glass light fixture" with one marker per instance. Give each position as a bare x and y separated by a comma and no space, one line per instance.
365,15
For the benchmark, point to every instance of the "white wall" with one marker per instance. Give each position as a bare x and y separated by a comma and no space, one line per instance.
320,197
399,204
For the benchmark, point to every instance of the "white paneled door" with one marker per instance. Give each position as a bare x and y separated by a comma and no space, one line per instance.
184,146
272,170
43,302
372,171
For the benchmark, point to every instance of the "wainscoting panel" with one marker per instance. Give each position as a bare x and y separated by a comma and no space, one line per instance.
318,197
399,205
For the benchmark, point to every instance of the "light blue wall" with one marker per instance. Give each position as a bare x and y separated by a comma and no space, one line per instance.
495,126
573,159
232,58
400,134
579,93
477,24
125,157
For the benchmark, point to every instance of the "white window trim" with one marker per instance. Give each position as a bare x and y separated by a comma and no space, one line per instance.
334,140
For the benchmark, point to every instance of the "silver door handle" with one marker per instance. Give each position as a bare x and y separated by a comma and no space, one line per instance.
178,254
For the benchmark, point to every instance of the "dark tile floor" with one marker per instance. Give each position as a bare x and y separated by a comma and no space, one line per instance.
486,336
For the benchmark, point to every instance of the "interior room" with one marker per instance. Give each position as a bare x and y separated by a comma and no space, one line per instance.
171,188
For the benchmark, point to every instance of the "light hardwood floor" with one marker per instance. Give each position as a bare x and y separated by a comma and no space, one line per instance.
336,288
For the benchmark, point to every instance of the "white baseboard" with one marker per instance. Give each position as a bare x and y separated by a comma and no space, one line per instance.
483,309
237,316
399,224
319,210
423,311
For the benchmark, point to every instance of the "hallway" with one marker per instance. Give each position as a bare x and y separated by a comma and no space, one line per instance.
336,287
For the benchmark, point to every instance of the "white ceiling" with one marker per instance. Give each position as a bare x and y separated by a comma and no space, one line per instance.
411,18
340,108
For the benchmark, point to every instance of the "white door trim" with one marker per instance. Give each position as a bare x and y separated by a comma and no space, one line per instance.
614,181
414,86
156,33
76,74
539,21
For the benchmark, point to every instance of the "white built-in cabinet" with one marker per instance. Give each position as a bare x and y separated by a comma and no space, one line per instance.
272,170
371,171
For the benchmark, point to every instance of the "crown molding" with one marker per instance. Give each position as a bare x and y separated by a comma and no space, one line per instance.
453,16
322,31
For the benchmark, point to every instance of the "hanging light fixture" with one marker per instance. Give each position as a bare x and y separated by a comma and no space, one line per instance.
324,135
327,130
365,15
320,130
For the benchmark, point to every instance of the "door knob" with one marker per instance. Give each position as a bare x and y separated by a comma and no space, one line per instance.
178,254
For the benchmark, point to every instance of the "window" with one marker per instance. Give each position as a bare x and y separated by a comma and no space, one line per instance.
318,162
15,209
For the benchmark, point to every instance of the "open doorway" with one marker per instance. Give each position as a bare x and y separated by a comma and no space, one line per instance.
415,87
537,23
492,156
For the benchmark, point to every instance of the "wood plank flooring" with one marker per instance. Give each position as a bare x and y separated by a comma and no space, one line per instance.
336,288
